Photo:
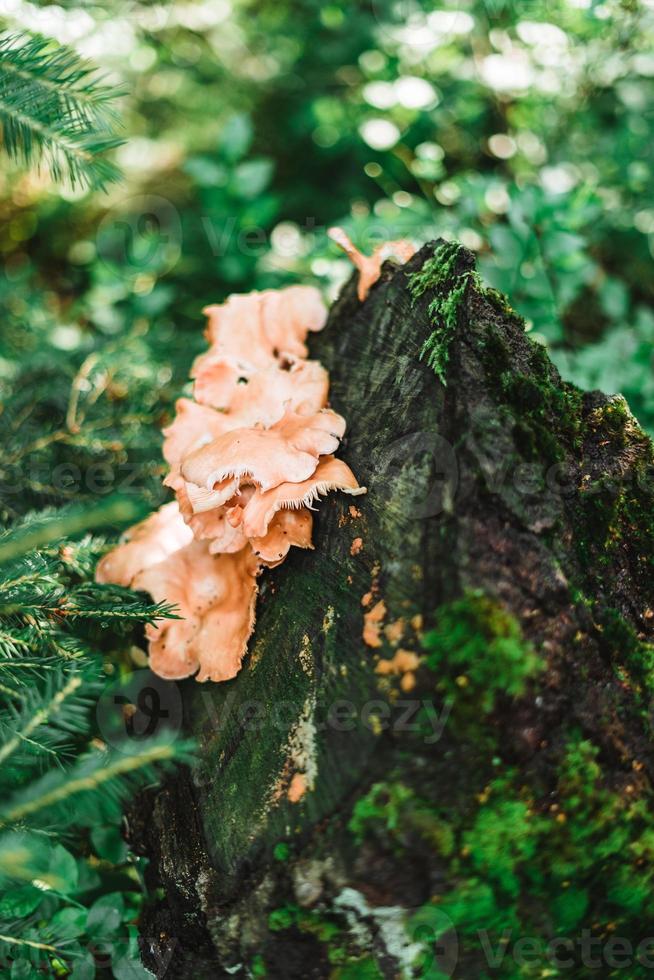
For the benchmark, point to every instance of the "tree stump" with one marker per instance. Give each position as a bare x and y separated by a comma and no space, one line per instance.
357,813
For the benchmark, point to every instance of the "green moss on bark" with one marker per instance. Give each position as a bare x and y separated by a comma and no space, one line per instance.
614,510
443,276
523,856
478,652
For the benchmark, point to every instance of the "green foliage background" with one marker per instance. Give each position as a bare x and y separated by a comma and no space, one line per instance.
522,129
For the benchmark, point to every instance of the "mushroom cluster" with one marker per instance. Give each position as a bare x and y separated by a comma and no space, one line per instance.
247,457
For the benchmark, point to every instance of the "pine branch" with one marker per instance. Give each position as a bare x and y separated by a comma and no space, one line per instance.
44,528
11,693
114,602
46,723
55,111
102,780
57,625
31,943
49,606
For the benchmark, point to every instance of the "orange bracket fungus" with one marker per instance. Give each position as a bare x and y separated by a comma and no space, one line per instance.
369,266
248,456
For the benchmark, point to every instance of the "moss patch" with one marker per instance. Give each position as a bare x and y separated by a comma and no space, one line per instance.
523,858
448,274
442,275
338,947
632,657
556,853
478,652
546,411
614,510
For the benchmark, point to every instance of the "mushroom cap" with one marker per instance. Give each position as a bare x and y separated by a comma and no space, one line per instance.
330,474
202,500
266,325
289,314
209,522
287,452
217,376
205,512
236,328
256,328
287,529
215,596
300,385
193,426
318,433
249,396
146,543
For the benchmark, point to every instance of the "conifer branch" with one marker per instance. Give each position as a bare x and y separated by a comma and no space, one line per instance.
60,712
100,769
39,530
31,943
55,111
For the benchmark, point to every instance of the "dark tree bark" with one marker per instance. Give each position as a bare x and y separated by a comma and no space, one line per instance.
509,512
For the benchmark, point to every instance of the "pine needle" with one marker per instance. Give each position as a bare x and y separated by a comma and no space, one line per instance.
55,111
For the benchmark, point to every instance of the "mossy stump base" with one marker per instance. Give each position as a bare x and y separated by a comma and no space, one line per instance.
347,819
